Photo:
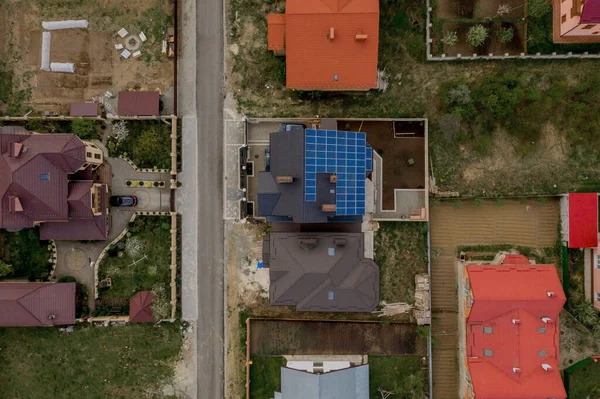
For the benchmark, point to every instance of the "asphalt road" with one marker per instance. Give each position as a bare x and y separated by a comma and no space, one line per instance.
209,102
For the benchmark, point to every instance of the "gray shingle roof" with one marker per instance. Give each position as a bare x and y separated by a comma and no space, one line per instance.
351,383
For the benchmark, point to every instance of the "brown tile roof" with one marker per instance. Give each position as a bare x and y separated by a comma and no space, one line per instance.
84,109
313,59
36,304
138,103
140,307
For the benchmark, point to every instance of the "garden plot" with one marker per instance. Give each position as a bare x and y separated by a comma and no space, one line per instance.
146,143
98,66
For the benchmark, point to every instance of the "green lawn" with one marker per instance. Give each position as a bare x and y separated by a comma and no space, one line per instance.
148,245
585,382
399,374
26,253
148,144
401,253
91,362
265,376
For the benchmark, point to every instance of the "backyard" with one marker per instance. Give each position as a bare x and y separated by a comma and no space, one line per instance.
131,361
138,262
403,375
27,256
495,128
146,143
265,375
584,382
401,253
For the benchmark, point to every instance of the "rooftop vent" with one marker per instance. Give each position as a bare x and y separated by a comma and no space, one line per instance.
516,370
331,34
51,317
551,294
335,77
333,178
516,321
284,179
331,295
328,208
361,37
307,243
339,242
546,320
14,149
14,204
546,367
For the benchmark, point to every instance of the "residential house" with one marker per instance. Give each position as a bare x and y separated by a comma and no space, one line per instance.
36,304
579,229
576,21
349,383
320,272
47,180
315,176
328,44
512,331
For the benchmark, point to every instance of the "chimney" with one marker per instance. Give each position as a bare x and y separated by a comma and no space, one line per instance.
284,179
328,207
361,37
14,149
550,294
331,34
546,367
333,178
516,321
14,204
546,320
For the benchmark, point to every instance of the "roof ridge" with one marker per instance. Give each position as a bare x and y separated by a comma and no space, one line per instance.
26,308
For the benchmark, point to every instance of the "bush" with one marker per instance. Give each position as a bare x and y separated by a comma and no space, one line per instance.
538,8
5,270
505,34
85,129
450,39
67,279
477,35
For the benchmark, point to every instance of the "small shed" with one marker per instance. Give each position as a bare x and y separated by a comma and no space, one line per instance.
85,109
138,103
583,220
140,307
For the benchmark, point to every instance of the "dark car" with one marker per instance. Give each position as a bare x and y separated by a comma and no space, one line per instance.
268,158
123,200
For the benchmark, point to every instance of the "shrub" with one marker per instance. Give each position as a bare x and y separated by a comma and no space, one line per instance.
450,39
67,279
5,269
477,35
538,8
505,34
84,129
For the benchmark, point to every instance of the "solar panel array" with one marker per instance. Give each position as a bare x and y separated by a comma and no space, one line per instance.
369,158
342,153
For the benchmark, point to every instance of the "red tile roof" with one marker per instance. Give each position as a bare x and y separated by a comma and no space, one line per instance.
317,61
138,103
583,220
276,28
84,109
140,307
36,304
511,299
591,12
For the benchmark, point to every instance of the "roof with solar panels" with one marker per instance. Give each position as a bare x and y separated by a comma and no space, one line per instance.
315,176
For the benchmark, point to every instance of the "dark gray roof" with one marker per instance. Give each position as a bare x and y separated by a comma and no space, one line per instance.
351,383
330,274
287,199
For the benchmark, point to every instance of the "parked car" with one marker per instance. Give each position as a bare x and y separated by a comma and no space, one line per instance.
288,127
268,158
123,200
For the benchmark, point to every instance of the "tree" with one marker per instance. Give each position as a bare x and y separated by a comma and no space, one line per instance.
538,8
5,269
477,35
85,129
450,38
505,34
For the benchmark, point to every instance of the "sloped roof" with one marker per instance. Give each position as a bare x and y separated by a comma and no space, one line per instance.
276,32
138,103
350,383
84,109
591,12
140,307
501,295
583,220
36,304
331,274
312,59
52,155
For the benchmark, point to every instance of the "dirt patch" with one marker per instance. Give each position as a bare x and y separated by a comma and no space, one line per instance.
576,341
455,8
276,337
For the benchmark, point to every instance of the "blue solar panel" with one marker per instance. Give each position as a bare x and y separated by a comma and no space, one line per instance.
346,154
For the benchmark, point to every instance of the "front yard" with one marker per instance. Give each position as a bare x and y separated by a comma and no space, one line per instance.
131,361
401,253
139,262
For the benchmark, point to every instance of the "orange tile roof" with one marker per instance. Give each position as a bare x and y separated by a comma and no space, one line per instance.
276,37
502,295
316,62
